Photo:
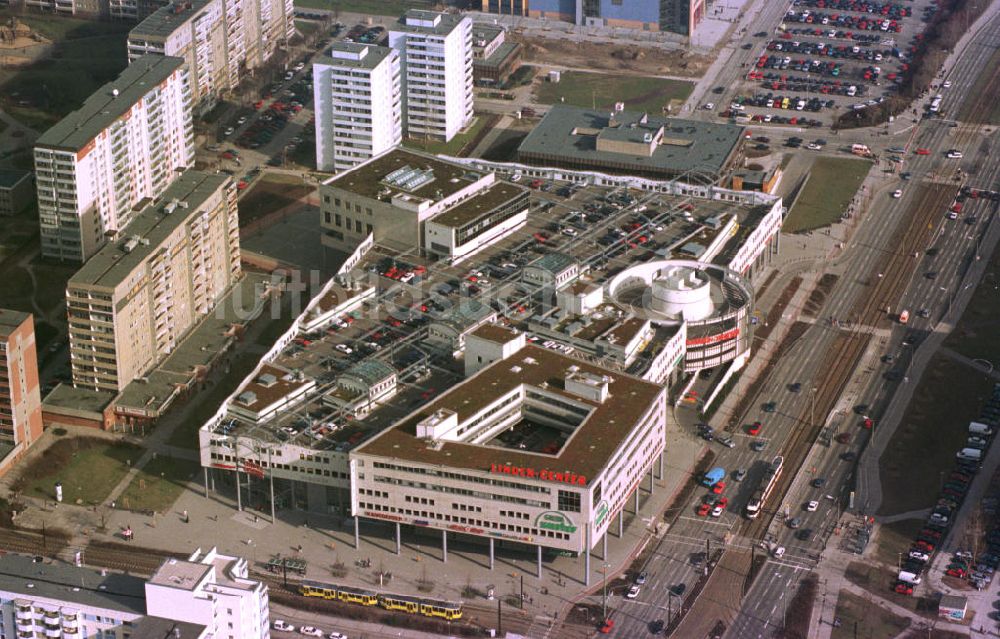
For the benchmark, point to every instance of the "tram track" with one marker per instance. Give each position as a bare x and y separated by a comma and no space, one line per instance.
886,283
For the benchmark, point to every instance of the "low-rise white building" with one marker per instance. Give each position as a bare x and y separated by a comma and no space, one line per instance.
209,596
537,448
407,200
213,590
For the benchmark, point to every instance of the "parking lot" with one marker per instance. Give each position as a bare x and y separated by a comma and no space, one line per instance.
824,58
277,127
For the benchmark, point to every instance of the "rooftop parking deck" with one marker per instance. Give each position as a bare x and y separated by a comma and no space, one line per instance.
392,327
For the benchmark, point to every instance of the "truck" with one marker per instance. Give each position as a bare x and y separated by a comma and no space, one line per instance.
862,150
980,429
714,476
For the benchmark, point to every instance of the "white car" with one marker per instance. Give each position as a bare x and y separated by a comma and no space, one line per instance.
709,106
811,506
898,193
812,146
344,348
229,131
779,552
919,556
570,232
955,155
283,625
633,592
516,177
337,635
717,511
310,631
947,84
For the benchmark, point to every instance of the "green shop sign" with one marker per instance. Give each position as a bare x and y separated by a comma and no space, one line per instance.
602,513
554,520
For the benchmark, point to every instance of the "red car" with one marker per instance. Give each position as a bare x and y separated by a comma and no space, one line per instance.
904,588
718,488
923,151
704,509
868,423
723,501
607,626
956,572
754,429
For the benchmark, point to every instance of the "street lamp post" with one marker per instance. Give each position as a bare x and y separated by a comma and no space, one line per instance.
604,590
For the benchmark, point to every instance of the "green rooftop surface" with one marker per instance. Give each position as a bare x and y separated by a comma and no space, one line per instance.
446,22
111,264
101,109
165,20
568,134
372,58
11,177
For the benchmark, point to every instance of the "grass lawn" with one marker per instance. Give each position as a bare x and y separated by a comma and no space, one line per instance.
832,183
157,486
976,333
933,428
504,147
896,538
860,617
269,193
87,467
87,54
600,90
393,8
305,27
455,145
986,83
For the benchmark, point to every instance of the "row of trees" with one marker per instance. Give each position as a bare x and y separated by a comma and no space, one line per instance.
951,21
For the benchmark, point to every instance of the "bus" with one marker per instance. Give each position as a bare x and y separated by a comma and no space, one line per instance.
904,317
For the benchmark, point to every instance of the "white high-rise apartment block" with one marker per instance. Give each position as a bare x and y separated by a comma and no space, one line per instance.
127,142
436,60
357,93
212,590
220,41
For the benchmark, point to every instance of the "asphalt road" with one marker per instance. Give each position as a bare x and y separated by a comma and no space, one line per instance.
956,243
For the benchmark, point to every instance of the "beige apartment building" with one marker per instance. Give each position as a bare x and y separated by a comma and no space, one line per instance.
136,299
221,42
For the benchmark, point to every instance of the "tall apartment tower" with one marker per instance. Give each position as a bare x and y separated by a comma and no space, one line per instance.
20,399
357,95
135,300
219,40
127,142
435,51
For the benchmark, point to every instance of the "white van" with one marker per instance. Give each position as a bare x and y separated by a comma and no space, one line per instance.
909,577
980,429
971,454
